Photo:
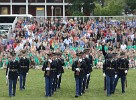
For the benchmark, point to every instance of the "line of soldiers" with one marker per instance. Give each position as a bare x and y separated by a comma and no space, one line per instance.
116,66
53,67
82,67
17,69
113,69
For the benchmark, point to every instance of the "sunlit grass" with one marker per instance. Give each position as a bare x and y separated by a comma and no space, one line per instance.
35,86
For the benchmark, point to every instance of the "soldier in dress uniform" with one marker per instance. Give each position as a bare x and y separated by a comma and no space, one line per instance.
55,65
12,73
49,74
78,67
85,73
105,54
122,69
109,73
60,69
89,63
24,68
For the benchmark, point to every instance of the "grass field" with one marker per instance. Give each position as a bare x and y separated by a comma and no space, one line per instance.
35,87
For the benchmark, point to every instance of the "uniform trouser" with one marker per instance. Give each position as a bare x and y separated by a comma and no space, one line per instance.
59,81
48,86
123,78
22,81
78,86
109,84
84,83
54,83
88,80
12,84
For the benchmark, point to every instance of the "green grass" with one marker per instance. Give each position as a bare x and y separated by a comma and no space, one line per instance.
35,87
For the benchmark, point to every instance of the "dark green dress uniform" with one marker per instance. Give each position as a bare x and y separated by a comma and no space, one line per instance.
24,68
60,71
79,68
122,68
12,73
109,70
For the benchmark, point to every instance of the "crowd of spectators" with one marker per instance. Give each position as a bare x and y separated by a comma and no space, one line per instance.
40,36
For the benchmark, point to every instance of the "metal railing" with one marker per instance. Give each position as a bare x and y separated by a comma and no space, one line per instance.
83,18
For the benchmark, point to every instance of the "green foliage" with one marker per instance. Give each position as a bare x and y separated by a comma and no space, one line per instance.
131,4
75,8
77,13
35,85
111,8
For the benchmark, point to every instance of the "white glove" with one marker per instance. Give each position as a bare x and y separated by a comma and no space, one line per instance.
77,69
58,76
26,73
18,77
104,74
47,68
87,56
87,75
115,76
80,60
50,60
6,76
125,71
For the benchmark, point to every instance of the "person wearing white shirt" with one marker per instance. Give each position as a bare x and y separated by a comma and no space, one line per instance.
67,41
123,46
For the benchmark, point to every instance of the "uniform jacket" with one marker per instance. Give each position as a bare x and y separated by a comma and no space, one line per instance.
24,65
82,67
13,69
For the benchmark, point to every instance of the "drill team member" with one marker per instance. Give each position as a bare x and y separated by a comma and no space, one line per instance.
79,69
122,69
109,73
89,63
24,68
48,77
60,70
12,72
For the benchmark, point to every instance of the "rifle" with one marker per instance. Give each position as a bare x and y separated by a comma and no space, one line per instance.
78,65
126,82
7,77
48,71
104,83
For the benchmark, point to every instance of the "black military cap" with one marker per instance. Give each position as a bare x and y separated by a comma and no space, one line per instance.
23,51
122,53
58,54
12,54
79,54
49,54
86,50
110,48
110,55
114,54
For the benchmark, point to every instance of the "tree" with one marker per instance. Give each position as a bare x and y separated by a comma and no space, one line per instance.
110,8
131,5
75,8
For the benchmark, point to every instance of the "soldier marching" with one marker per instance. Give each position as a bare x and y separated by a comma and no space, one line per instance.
53,67
24,68
12,73
82,68
115,67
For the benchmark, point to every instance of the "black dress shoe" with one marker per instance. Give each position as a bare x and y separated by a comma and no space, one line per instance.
23,88
112,92
10,95
123,92
76,96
